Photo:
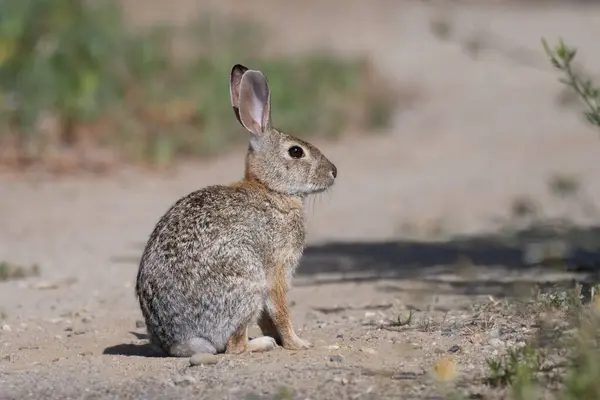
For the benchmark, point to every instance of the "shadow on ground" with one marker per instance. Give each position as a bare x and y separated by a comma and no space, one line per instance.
135,350
501,265
546,250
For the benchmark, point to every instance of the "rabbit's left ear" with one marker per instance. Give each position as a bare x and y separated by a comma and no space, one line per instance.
254,103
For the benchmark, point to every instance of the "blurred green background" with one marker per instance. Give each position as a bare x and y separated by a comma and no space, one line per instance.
74,72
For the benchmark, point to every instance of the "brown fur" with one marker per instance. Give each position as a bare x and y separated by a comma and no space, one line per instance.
238,342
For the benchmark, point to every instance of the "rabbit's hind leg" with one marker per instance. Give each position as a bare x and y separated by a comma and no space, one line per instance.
238,342
192,346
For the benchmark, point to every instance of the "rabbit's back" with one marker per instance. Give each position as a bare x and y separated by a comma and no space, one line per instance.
209,261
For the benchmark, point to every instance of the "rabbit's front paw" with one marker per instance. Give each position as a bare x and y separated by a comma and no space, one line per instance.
296,344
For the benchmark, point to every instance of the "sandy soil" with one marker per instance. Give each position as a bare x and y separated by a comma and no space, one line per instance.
486,131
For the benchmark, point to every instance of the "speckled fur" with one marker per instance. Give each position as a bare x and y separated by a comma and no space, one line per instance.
223,256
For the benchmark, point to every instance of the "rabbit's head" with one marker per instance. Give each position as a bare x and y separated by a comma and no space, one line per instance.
279,161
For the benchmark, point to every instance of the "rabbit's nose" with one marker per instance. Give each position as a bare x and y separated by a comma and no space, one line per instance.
333,171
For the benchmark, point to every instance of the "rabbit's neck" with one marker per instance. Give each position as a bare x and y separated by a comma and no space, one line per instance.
288,201
255,182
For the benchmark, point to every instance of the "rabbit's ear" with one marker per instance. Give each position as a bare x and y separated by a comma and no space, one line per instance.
254,102
235,79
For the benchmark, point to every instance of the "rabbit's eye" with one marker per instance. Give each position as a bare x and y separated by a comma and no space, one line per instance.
296,152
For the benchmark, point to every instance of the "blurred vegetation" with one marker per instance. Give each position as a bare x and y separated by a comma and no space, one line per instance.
71,71
561,359
10,271
562,58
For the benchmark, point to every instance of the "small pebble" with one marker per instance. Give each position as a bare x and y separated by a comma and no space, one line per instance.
454,349
494,333
368,350
404,376
184,380
336,358
140,324
6,328
203,359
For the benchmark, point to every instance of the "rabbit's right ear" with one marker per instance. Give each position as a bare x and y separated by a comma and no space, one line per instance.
235,80
251,99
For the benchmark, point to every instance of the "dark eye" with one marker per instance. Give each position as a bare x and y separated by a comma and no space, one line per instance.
296,152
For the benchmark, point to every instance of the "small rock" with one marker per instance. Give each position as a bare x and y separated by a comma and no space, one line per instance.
336,358
341,380
475,339
333,347
184,380
203,359
454,349
404,376
339,336
140,324
494,333
495,342
447,332
86,320
6,328
368,350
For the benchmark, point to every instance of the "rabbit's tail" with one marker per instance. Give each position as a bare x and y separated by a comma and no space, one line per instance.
192,346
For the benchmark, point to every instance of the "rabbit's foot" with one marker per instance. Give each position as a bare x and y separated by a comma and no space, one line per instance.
262,343
295,343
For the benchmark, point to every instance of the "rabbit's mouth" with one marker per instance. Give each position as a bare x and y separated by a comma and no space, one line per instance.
315,189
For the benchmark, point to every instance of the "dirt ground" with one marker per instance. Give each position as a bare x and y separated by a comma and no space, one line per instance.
485,131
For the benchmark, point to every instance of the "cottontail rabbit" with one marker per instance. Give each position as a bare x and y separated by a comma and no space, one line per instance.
223,256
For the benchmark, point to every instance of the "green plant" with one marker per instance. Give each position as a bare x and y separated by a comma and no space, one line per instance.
518,366
562,58
9,271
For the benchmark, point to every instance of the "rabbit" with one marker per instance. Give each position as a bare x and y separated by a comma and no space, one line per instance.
223,257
